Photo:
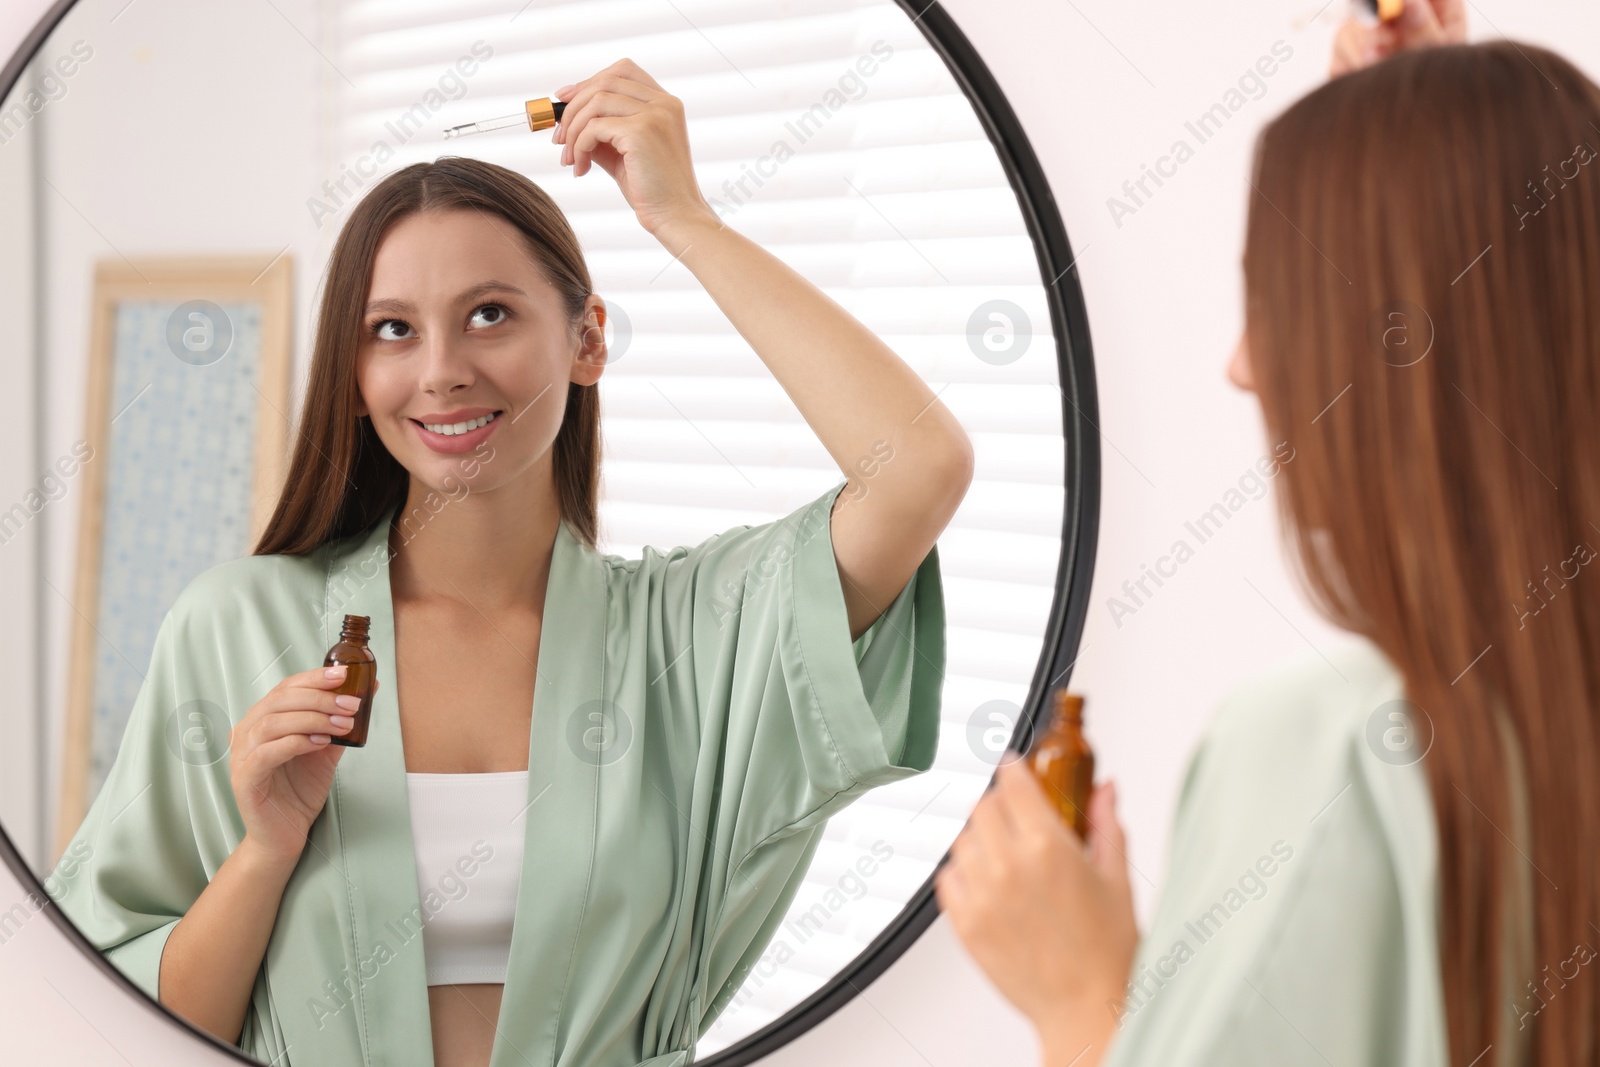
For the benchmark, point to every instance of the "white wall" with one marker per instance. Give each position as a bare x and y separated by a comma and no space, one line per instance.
1102,88
253,131
21,802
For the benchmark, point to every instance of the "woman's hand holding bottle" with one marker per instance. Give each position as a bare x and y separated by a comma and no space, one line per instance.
282,762
1047,917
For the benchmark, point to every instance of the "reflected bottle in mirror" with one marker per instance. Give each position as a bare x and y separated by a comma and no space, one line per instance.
360,677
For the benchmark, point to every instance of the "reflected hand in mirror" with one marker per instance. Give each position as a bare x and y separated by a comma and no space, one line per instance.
623,120
281,764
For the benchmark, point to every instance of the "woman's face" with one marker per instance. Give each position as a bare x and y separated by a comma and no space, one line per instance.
460,324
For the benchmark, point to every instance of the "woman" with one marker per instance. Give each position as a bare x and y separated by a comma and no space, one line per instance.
668,748
1387,857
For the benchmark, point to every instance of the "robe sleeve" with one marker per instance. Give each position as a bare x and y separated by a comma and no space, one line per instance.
797,720
806,720
138,861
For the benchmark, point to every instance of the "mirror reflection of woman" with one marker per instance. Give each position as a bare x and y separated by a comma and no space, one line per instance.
1387,856
673,732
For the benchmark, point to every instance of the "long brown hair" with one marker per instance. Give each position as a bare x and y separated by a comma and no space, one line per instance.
341,478
1422,277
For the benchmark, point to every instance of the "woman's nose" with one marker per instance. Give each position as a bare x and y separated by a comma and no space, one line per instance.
1239,366
445,366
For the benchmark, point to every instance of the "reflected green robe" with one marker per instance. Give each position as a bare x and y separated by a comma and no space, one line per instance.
665,839
1297,924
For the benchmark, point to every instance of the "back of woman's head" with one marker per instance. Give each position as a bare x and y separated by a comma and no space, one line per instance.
1422,276
341,478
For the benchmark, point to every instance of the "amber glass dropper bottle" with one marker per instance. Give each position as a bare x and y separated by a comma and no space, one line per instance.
1063,762
361,675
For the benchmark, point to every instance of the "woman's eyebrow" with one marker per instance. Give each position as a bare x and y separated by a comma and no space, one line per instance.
465,295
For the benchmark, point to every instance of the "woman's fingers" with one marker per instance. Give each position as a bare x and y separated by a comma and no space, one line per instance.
303,703
1108,844
1354,46
973,846
602,123
592,103
303,722
983,871
621,90
614,82
318,678
1026,904
992,816
306,684
274,754
281,737
950,888
970,885
292,701
637,73
1033,819
623,122
1012,827
1028,806
628,70
1420,24
1452,17
580,95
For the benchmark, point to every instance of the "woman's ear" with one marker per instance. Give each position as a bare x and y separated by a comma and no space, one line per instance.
591,355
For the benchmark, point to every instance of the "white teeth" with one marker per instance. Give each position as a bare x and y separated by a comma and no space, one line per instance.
450,429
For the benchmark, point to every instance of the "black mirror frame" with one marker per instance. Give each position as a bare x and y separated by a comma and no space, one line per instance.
1069,609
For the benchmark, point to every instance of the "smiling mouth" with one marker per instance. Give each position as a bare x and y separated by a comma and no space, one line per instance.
455,429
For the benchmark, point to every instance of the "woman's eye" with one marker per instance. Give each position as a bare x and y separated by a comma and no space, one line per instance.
400,330
488,315
382,325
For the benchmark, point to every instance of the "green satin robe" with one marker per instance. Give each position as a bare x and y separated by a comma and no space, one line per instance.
1297,925
658,862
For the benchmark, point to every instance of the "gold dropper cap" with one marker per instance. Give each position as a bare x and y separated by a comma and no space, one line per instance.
543,113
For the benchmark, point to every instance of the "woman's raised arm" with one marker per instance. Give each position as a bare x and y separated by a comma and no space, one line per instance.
907,457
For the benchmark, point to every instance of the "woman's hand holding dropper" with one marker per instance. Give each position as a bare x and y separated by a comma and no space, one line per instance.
623,120
1420,24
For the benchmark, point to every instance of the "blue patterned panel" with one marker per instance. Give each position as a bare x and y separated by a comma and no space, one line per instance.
182,450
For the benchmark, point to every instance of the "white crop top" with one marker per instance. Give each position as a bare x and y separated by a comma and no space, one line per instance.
467,832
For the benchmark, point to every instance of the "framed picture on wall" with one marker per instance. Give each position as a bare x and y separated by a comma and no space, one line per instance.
184,452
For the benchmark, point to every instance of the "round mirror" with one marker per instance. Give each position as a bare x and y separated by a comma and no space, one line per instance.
177,176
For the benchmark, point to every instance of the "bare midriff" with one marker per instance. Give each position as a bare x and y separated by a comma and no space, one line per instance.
463,1018
466,706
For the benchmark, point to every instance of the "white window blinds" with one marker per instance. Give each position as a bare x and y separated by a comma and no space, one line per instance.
892,201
